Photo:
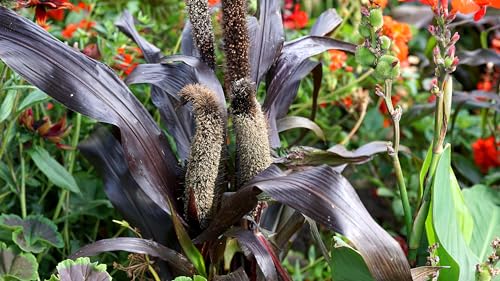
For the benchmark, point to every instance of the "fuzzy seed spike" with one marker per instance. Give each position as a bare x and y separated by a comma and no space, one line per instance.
236,40
251,131
203,34
202,192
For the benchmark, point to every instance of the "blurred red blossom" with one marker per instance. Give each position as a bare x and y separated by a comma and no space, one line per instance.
337,59
486,153
84,24
400,33
295,20
53,132
42,6
476,7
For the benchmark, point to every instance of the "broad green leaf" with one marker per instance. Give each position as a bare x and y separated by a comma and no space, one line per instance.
448,224
348,265
15,266
81,269
7,105
32,98
484,205
32,234
424,170
195,278
54,171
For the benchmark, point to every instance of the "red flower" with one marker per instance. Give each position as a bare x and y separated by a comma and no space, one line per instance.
296,20
84,24
53,132
478,7
41,7
57,15
486,153
213,2
82,6
337,59
125,60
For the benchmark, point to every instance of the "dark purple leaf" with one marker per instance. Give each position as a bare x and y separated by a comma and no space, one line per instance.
178,119
335,156
474,99
425,273
478,57
291,67
188,48
238,275
327,197
106,154
326,23
126,24
93,89
139,246
266,38
265,257
418,16
292,122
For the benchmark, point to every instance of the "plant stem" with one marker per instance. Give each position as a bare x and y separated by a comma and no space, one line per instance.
22,195
395,157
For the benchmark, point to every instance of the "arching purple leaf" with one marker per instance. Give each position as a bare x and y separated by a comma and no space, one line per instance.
140,246
266,38
327,197
292,66
178,119
104,151
93,89
326,23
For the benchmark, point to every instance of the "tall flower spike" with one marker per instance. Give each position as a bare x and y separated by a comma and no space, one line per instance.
202,192
251,131
203,34
236,40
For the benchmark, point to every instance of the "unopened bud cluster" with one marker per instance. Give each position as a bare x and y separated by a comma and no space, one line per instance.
444,52
487,271
375,51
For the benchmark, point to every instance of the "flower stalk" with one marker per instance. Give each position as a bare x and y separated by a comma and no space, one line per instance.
442,87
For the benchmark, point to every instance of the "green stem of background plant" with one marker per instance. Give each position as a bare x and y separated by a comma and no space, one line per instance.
22,194
395,157
440,128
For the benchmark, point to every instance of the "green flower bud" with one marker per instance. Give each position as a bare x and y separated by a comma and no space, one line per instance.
448,62
387,67
364,56
364,31
385,42
376,19
482,273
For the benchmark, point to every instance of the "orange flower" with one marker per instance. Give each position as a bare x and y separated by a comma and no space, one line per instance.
41,7
478,7
486,153
337,59
380,3
296,20
82,6
125,60
68,31
213,2
84,24
400,33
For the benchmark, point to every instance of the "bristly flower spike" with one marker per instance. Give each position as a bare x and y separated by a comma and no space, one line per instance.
203,34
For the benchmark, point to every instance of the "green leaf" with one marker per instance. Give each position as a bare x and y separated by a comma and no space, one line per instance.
424,170
449,223
54,171
32,234
81,269
7,105
484,205
15,266
348,265
33,98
